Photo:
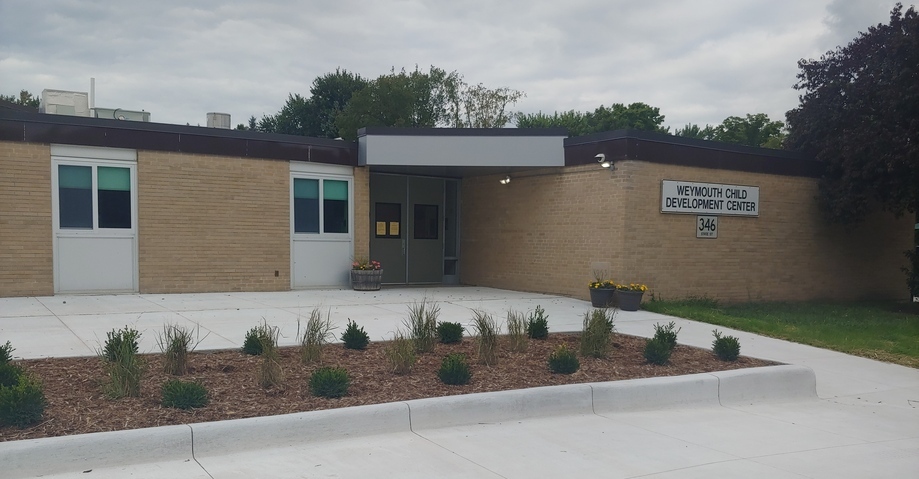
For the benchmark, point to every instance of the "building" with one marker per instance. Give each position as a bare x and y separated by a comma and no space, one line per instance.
92,205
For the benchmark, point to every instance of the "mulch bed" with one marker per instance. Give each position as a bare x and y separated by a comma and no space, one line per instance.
77,405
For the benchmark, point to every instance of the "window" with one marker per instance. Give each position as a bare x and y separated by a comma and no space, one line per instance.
332,213
79,208
426,224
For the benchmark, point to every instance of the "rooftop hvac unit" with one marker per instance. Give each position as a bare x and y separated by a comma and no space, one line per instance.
218,120
121,114
60,102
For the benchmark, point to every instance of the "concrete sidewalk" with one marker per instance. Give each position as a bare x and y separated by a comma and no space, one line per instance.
863,421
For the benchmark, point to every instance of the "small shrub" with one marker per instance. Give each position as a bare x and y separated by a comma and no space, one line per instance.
657,351
255,338
596,334
318,333
6,353
727,348
122,363
563,361
269,372
666,334
400,353
449,333
175,342
9,374
454,370
22,404
329,382
183,394
422,325
355,337
538,324
516,331
486,339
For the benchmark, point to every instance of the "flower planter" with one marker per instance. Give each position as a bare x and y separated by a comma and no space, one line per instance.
629,300
602,297
366,279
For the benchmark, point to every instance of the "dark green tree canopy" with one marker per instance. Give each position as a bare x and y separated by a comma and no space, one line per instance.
637,116
859,113
752,130
25,99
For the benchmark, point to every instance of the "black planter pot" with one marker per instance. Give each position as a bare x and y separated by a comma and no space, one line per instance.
602,297
629,300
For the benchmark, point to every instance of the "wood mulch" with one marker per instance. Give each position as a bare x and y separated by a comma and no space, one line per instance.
77,405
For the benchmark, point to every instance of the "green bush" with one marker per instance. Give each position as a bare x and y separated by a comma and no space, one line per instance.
118,342
657,351
449,333
183,394
400,353
486,339
596,334
454,370
329,382
22,404
9,374
538,324
666,334
122,363
563,361
6,353
422,325
256,336
355,337
727,348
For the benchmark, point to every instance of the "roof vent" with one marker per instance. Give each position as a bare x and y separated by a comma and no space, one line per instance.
61,102
218,120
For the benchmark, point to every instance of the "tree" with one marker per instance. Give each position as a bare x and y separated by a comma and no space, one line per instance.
753,130
691,130
636,116
297,117
25,98
859,114
330,93
482,107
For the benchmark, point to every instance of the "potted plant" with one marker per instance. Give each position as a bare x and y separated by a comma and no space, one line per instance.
602,293
628,296
366,275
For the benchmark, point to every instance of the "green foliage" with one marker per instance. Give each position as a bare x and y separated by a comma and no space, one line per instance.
355,337
422,325
516,331
25,99
666,334
657,351
329,382
727,348
269,373
635,116
175,342
857,116
316,334
449,333
538,324
596,332
124,366
255,338
183,394
400,353
9,374
22,404
486,339
563,360
6,353
753,130
912,273
454,370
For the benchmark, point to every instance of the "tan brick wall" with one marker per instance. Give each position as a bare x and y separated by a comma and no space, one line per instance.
212,223
26,254
361,212
545,233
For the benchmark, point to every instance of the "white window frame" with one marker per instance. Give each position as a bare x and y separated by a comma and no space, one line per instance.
96,231
322,235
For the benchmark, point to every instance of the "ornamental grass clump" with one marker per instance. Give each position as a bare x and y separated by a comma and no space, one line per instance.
400,354
269,372
727,348
422,325
329,382
23,403
183,394
316,334
486,339
454,370
355,337
596,333
563,360
538,324
122,363
449,333
176,343
516,331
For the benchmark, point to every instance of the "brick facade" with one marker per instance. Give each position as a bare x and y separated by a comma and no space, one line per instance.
26,253
549,233
361,212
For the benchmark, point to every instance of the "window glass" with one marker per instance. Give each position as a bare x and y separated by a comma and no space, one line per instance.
306,206
114,197
75,196
426,224
335,206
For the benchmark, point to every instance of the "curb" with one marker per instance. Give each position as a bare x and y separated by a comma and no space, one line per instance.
182,443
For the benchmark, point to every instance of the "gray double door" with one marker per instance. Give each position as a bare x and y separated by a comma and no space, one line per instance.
407,227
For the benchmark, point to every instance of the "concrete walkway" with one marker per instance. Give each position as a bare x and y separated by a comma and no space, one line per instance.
862,422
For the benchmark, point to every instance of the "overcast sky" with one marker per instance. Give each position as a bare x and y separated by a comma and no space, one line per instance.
699,61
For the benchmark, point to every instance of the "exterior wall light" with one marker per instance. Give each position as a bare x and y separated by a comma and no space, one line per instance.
505,180
601,158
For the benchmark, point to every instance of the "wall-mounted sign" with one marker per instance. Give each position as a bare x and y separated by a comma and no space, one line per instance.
706,226
709,198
